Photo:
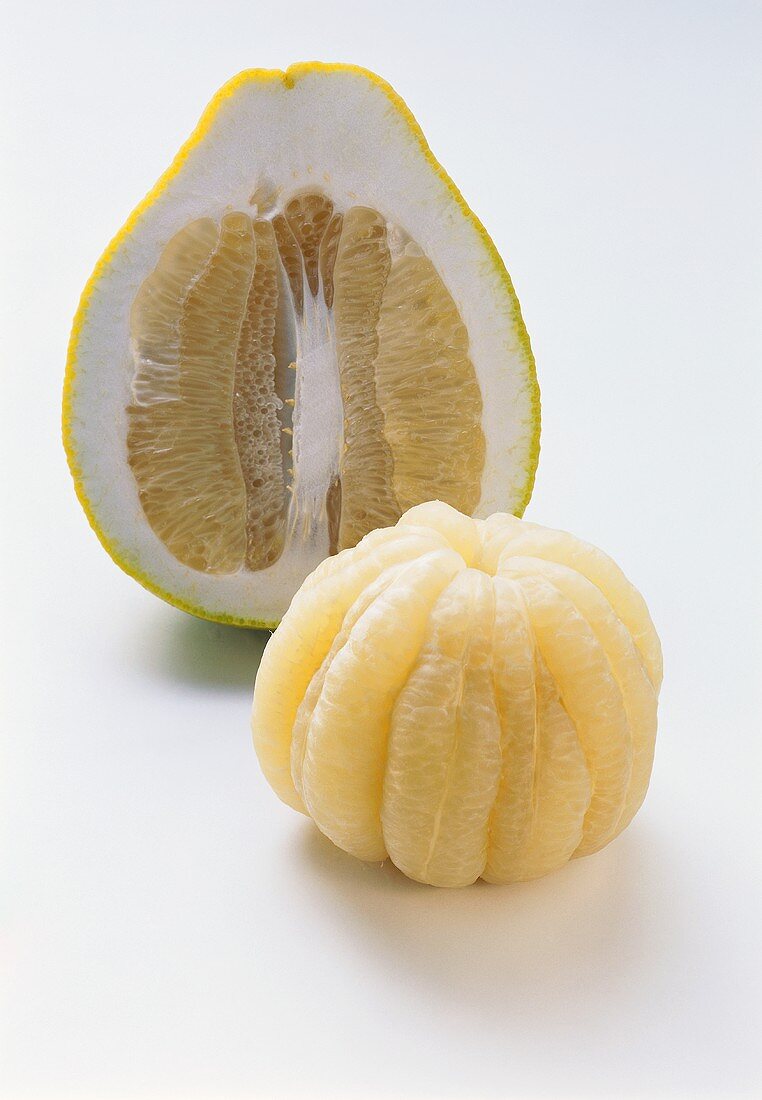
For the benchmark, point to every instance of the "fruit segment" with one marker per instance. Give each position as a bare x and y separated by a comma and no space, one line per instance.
427,390
309,702
520,538
627,667
544,791
158,310
367,465
295,652
346,742
256,409
329,246
308,216
443,760
591,697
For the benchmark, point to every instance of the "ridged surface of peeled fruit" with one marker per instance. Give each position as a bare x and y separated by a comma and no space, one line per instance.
442,696
519,538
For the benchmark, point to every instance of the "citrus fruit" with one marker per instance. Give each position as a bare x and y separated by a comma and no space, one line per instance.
472,698
300,333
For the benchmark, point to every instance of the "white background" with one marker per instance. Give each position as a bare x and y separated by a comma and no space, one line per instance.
170,929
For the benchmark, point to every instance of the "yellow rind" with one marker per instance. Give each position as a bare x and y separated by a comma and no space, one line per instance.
288,78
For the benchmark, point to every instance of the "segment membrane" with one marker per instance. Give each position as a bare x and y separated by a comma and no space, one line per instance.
309,702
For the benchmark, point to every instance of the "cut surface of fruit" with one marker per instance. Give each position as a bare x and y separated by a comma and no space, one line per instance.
469,698
300,334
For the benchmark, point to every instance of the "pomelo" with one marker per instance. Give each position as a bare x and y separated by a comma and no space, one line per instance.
300,333
471,698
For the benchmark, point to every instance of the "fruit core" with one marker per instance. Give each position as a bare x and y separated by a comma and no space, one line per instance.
301,377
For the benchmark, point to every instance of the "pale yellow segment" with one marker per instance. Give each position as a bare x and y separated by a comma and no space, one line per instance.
461,531
296,650
427,390
335,563
367,467
504,537
544,792
345,755
515,690
256,403
591,697
182,451
443,762
638,693
308,703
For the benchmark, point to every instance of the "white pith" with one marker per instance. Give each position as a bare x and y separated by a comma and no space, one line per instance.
318,430
267,138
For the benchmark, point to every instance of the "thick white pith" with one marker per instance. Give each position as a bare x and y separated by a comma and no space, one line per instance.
318,427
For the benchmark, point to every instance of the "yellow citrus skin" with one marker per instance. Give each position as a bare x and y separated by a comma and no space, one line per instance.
469,698
124,555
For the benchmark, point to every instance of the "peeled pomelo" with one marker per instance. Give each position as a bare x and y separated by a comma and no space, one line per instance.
471,698
300,333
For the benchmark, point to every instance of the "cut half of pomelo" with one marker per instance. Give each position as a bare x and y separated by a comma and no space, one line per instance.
301,332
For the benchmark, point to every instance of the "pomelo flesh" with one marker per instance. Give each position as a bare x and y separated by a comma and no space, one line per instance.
467,698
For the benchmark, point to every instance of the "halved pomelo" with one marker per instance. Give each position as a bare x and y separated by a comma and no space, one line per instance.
302,332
